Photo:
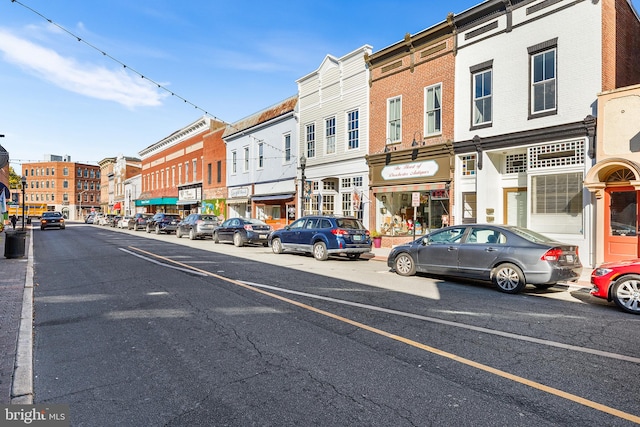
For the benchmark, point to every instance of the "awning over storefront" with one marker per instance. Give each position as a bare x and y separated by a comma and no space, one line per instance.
187,202
157,201
117,206
408,188
272,197
237,201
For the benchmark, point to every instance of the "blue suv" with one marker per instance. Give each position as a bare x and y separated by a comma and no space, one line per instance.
323,235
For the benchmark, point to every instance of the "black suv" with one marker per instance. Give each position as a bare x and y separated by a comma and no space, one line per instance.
163,222
139,221
323,235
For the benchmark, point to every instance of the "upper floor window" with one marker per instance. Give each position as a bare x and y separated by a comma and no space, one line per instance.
543,77
353,130
246,159
194,164
468,163
260,155
186,172
433,109
394,119
483,97
79,172
287,147
330,134
65,171
234,162
310,138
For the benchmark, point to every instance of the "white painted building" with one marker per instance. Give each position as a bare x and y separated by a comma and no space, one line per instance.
262,161
334,135
527,77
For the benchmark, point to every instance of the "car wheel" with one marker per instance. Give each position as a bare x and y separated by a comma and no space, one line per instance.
508,278
276,246
178,233
215,237
404,265
353,256
192,234
148,229
320,251
237,239
41,228
626,293
157,229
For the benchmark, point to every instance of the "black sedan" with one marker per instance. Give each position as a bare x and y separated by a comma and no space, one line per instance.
52,220
241,231
508,256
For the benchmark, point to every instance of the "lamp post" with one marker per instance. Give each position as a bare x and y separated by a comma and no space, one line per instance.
23,181
80,204
303,165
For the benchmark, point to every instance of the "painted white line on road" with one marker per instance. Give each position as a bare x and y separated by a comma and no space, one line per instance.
164,264
454,324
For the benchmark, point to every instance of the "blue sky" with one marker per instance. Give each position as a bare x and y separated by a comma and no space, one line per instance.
229,58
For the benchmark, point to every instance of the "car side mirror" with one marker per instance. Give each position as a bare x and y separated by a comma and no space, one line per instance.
425,241
287,227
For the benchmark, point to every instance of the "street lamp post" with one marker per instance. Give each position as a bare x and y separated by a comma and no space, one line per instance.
23,181
303,165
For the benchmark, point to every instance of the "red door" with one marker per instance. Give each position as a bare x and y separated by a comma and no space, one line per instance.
621,224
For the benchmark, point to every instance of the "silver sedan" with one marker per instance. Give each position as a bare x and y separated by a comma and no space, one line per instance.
508,256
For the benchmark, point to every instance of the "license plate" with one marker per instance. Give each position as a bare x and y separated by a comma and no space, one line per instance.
357,237
263,236
569,258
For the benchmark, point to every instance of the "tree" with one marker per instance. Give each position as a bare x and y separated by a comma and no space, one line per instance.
14,179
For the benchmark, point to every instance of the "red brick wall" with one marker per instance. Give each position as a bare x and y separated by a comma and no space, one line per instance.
620,45
215,151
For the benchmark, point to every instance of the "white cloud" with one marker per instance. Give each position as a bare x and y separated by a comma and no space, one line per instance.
86,79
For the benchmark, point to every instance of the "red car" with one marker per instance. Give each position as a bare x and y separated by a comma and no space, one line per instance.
618,282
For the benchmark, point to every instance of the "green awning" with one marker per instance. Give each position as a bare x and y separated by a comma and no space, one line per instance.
157,201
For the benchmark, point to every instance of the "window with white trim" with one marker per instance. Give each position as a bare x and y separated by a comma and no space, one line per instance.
433,109
353,130
234,162
468,164
346,204
310,140
287,147
260,155
246,159
330,135
556,203
394,119
515,163
543,81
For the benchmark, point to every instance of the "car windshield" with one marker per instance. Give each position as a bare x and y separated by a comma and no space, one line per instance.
51,214
531,235
349,223
255,222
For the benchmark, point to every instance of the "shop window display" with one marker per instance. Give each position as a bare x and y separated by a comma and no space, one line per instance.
395,216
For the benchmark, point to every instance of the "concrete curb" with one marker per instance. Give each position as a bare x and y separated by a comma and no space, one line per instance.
22,387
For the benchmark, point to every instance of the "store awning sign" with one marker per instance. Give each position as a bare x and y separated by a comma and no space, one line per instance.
410,170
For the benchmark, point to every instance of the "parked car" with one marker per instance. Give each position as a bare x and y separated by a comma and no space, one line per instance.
323,235
197,226
98,218
241,231
139,221
52,220
89,218
115,220
508,256
618,282
106,220
163,223
123,222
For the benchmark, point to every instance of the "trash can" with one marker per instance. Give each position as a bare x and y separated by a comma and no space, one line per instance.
14,243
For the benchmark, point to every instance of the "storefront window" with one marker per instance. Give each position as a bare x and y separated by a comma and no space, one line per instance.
395,214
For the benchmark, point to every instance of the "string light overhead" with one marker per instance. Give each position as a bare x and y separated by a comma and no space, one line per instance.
133,70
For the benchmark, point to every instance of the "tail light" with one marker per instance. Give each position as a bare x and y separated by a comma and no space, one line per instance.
366,232
552,254
340,232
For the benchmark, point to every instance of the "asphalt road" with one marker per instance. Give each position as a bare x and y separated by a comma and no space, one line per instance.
135,329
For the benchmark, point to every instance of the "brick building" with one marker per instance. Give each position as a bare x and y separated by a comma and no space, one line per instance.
64,186
411,128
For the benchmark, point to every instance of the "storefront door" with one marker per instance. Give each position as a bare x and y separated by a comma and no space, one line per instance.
621,224
515,209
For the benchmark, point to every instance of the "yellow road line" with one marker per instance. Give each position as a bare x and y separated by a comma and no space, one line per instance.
533,384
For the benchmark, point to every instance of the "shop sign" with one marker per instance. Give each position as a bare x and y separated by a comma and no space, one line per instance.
410,170
239,192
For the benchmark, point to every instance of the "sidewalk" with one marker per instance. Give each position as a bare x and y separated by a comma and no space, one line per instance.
16,306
